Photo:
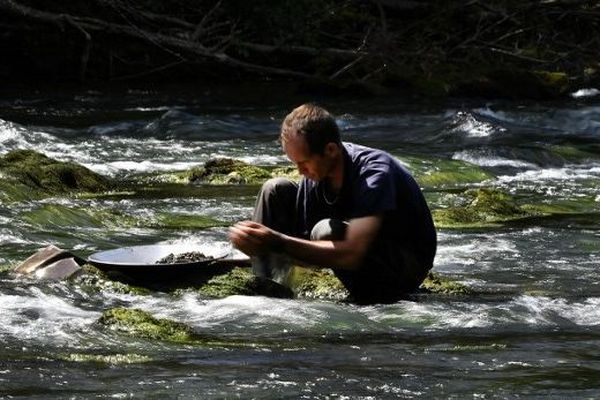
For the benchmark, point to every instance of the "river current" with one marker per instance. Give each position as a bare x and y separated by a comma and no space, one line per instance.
531,329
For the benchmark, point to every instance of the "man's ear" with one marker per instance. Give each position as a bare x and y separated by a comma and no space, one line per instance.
331,149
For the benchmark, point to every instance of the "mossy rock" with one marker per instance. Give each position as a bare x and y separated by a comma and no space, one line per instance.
173,177
323,284
11,190
485,207
316,284
45,175
288,171
241,281
93,279
141,324
589,152
4,268
442,173
228,171
434,283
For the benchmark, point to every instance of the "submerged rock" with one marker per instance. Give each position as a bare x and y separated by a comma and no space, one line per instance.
166,220
27,173
241,281
484,207
68,217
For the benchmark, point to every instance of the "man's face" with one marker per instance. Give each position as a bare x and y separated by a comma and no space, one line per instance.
313,166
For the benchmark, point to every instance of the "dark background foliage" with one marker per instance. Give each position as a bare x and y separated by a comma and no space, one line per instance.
431,45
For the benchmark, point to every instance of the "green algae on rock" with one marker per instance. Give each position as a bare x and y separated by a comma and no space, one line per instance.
445,173
316,284
228,171
241,281
45,176
579,153
435,283
93,279
485,207
288,171
141,324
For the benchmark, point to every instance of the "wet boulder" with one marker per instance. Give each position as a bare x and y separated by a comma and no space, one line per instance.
241,281
438,284
228,171
316,284
323,284
482,207
141,324
27,173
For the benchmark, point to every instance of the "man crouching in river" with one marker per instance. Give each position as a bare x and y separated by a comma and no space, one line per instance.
356,210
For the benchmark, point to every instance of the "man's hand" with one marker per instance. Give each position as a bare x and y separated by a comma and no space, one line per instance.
255,239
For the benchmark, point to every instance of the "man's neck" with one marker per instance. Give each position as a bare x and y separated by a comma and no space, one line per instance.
336,178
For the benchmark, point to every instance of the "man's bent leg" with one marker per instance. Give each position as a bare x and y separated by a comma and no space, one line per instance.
276,205
276,209
388,272
329,229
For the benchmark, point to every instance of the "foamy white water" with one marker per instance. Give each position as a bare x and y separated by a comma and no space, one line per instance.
487,161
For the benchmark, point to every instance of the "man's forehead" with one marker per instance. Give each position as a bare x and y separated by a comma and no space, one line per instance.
297,141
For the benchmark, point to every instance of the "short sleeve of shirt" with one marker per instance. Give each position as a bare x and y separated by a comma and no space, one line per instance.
374,186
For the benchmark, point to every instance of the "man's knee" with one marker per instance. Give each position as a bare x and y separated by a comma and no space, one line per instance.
279,186
329,229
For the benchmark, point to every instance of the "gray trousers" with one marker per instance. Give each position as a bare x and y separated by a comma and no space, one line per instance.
388,272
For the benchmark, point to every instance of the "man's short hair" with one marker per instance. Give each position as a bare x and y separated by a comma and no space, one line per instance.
314,123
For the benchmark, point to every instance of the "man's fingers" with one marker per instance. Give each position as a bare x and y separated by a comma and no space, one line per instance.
254,229
243,234
250,224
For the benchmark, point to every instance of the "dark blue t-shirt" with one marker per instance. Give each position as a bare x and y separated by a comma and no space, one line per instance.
374,183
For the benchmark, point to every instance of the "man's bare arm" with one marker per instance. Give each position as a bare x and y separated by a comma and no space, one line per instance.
254,238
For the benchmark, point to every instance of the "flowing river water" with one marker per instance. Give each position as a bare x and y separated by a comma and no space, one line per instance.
531,329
